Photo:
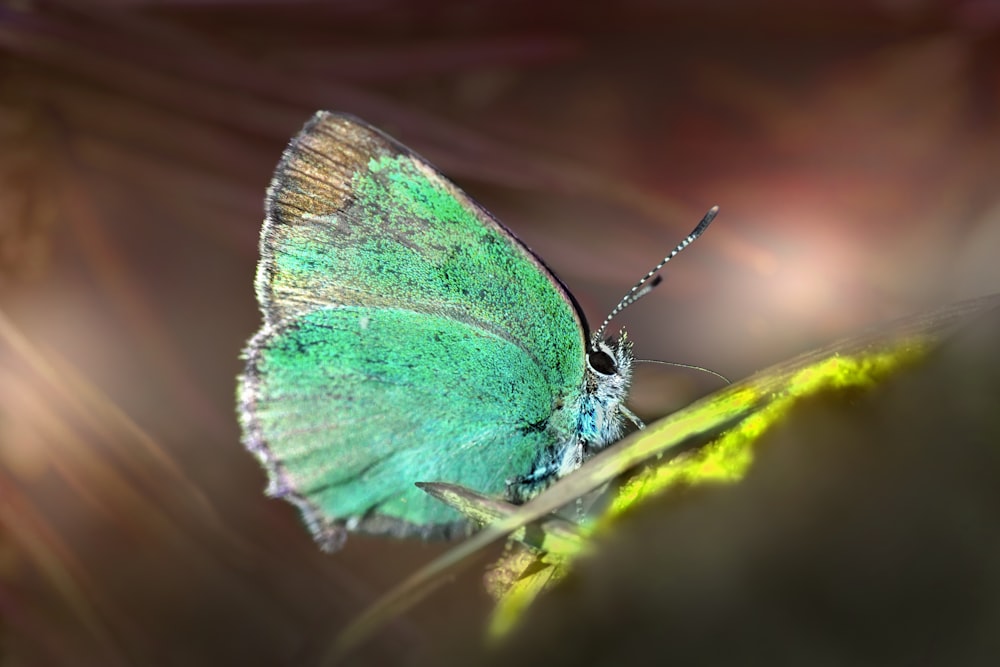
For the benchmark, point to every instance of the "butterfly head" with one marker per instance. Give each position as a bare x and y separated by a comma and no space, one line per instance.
609,374
610,358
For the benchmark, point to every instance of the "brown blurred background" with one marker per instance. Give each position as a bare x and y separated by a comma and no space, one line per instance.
852,147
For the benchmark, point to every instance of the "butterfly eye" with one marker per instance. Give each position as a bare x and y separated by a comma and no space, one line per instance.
602,362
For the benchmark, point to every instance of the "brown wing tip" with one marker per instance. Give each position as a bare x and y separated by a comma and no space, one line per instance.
313,177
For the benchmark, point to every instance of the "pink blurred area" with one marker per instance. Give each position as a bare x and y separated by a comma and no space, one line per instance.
853,149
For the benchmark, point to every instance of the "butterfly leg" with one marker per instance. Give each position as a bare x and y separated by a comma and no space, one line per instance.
631,416
552,465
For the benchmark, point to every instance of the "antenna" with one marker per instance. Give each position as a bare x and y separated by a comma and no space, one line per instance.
690,366
641,288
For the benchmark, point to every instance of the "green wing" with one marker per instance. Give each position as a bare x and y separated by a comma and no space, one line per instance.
407,337
347,407
355,218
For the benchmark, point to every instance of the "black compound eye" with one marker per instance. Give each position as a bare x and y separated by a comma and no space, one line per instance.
602,362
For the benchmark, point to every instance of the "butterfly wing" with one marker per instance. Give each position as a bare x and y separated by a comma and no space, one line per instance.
408,337
355,218
347,419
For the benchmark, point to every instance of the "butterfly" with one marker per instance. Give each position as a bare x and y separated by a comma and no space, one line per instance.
408,337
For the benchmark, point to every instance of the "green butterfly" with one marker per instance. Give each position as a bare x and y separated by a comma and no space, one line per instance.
409,337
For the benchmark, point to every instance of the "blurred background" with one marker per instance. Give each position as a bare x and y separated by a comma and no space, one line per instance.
853,149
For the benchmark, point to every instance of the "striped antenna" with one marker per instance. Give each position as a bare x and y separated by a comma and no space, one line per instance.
641,288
